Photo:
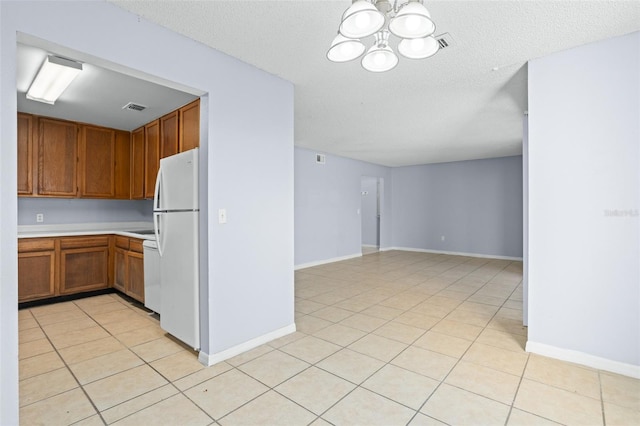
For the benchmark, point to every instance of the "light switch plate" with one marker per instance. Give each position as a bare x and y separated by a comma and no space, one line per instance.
222,215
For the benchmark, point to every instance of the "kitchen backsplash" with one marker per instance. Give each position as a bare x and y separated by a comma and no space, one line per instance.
61,211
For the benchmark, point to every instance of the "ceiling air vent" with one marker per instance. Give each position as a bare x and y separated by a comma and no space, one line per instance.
134,107
444,40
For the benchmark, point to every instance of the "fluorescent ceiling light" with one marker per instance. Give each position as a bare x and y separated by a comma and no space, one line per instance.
55,75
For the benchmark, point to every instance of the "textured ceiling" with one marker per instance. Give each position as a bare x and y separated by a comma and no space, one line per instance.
97,94
464,103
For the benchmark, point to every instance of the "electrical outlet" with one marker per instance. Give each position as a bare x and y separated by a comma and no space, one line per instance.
222,215
39,217
442,238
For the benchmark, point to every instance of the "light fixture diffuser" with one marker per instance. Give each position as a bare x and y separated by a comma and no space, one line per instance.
408,20
361,19
380,57
412,21
418,48
55,75
345,49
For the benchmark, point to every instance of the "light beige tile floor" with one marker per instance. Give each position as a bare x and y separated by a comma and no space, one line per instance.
390,338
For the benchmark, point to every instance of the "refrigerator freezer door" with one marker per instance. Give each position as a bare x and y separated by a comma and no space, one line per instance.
177,182
179,276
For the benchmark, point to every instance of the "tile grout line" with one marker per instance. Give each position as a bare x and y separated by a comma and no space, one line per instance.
467,350
417,338
66,366
357,385
604,417
145,362
382,285
515,395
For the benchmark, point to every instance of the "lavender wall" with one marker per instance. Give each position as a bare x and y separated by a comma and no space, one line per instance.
59,211
327,200
584,198
369,210
476,205
242,303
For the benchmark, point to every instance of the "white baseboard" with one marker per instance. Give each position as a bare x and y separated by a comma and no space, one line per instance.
455,253
211,359
369,245
325,261
584,359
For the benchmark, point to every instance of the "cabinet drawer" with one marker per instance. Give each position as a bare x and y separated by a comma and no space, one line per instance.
35,244
83,242
135,245
122,242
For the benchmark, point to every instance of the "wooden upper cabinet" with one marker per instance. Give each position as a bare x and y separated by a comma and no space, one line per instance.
25,154
57,157
137,164
190,126
169,134
151,156
97,162
122,169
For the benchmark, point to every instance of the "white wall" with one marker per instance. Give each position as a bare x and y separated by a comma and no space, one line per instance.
246,162
584,161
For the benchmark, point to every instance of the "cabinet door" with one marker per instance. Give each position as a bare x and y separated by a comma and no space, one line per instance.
25,154
169,134
190,126
120,269
123,165
36,275
97,162
57,158
84,264
137,164
136,276
151,156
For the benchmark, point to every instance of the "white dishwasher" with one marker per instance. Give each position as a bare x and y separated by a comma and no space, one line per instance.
151,275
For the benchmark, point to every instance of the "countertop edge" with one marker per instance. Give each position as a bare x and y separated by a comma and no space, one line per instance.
70,230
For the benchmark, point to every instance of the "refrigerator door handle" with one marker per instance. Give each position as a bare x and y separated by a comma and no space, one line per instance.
156,193
156,229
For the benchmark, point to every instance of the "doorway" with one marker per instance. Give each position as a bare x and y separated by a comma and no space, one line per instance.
370,213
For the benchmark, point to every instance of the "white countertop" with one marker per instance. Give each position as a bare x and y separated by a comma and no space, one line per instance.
76,229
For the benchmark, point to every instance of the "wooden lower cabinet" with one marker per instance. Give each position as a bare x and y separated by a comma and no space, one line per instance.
36,268
136,276
120,269
84,264
49,267
129,267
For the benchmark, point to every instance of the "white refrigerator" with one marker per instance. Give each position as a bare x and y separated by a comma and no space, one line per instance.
175,220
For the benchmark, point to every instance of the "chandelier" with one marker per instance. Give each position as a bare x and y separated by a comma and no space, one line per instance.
408,20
